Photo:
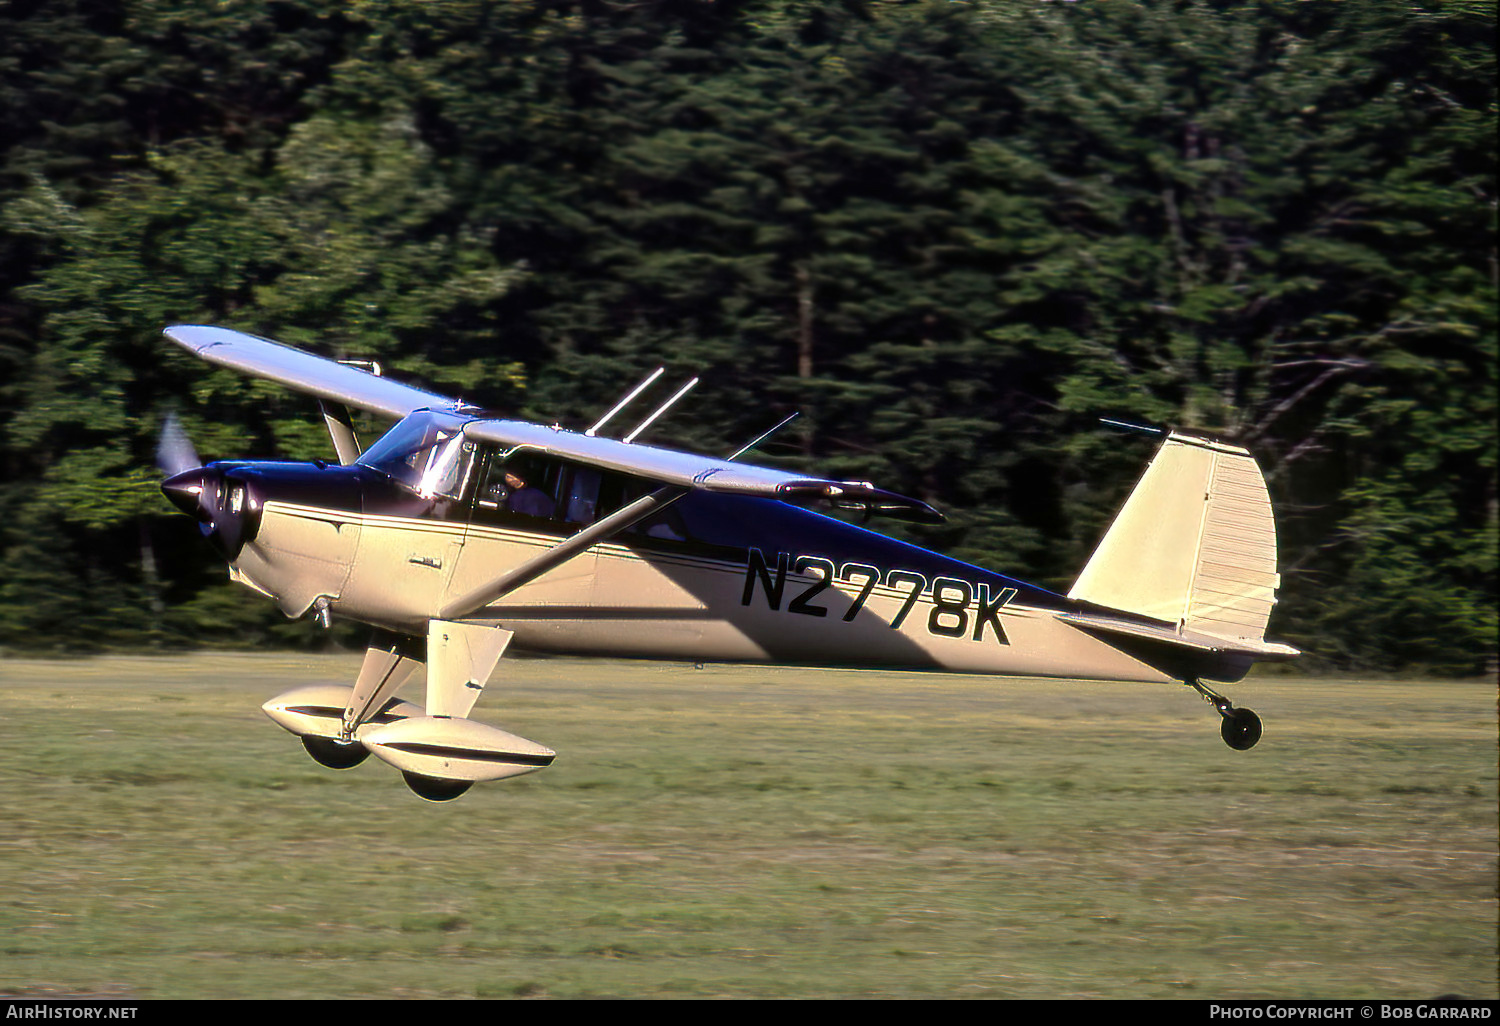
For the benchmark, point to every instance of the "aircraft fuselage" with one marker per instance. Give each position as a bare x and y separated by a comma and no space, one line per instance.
741,579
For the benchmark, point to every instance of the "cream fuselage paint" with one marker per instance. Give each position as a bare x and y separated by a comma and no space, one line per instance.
409,568
614,599
662,605
299,554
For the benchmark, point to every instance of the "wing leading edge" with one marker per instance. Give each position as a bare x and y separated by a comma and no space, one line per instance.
306,372
335,382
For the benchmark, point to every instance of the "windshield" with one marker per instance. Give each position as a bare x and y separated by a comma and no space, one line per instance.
426,452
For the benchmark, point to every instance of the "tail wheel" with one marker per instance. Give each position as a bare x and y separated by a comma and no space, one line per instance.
435,789
333,753
1240,729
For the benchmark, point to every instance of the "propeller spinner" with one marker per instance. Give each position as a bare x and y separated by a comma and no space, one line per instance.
206,493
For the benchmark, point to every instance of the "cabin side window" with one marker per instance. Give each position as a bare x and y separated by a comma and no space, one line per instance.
522,487
551,495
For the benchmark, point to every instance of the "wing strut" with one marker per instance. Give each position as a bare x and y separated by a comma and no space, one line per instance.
341,430
640,509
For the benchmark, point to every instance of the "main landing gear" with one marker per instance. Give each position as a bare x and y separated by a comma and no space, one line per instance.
1240,728
435,789
338,754
333,753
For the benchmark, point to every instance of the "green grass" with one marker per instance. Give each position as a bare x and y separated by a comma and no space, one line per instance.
750,832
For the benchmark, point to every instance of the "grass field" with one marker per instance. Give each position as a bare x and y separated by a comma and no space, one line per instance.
750,832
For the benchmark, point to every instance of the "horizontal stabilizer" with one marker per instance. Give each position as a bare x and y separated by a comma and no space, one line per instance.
1186,639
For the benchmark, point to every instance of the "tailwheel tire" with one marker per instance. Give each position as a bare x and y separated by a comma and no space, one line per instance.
335,754
1240,729
435,789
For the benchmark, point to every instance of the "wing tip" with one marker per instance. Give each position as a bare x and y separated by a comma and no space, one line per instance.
199,337
860,495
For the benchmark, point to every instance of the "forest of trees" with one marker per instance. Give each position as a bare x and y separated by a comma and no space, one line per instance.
952,234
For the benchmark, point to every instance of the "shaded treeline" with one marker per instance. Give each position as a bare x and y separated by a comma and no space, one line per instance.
952,235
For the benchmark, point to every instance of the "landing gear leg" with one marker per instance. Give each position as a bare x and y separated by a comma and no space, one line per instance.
387,665
1240,728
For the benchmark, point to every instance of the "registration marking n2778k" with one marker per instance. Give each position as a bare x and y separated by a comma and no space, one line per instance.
959,608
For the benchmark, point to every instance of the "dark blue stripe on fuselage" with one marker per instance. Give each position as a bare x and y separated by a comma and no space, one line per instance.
768,525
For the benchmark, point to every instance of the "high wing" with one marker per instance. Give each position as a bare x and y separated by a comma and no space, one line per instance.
305,372
692,470
335,382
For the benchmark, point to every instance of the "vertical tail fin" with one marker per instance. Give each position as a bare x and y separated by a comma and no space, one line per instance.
1194,545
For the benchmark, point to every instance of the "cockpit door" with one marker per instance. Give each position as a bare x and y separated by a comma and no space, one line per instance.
414,525
446,481
518,509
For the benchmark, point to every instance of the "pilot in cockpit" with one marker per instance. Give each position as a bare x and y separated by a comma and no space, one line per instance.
525,498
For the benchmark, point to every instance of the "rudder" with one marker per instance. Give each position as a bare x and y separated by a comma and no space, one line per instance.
1193,546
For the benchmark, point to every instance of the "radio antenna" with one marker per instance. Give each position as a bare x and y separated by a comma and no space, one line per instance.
663,408
784,422
624,402
1145,429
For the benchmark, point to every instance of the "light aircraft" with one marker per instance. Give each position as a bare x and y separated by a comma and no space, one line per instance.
457,533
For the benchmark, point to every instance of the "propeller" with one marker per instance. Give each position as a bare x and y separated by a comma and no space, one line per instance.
186,478
174,450
203,493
